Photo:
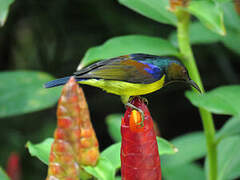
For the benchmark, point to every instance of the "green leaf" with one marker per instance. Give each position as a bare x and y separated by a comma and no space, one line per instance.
153,9
222,100
164,147
222,1
198,33
209,13
184,172
230,40
23,92
230,128
118,178
41,150
190,147
127,45
228,158
103,170
231,17
3,175
112,153
114,126
4,8
232,22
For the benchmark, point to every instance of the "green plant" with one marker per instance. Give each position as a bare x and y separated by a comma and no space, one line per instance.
216,21
177,13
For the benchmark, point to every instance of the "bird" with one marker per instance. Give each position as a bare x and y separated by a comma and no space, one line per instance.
131,75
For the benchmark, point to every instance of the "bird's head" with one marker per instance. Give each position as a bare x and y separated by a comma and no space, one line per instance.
176,72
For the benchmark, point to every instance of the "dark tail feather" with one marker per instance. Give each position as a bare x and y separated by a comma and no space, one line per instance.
57,82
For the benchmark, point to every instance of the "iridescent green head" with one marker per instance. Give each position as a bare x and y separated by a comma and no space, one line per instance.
176,72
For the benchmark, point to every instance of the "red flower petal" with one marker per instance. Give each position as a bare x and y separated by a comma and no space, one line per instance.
13,167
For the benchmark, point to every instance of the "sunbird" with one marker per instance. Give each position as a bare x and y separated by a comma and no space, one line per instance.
131,75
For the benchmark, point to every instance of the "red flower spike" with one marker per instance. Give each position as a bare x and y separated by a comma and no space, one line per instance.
139,151
13,167
75,141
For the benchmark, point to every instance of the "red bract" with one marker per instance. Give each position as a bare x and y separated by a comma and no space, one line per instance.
75,142
139,151
13,167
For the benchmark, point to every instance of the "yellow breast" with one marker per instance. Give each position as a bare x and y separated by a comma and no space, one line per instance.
125,88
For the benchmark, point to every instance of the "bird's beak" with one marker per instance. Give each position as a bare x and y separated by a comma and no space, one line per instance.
192,83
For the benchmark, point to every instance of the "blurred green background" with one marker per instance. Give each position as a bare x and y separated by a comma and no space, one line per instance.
53,37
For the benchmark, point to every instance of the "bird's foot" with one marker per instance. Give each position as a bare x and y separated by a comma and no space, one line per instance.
144,100
140,97
140,111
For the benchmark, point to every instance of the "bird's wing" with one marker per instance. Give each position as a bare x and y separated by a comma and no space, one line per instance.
123,69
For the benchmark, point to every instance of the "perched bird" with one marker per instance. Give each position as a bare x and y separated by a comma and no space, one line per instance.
131,75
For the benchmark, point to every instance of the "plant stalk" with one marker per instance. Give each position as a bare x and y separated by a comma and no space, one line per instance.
189,61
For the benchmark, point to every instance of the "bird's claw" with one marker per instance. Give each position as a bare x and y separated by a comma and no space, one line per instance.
140,97
144,100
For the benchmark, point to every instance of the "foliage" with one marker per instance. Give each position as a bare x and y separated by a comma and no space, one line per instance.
127,45
222,100
28,95
4,8
113,122
22,95
3,175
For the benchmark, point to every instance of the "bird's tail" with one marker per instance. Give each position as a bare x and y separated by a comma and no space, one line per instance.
57,82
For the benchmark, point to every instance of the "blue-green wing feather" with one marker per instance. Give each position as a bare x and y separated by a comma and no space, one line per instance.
122,68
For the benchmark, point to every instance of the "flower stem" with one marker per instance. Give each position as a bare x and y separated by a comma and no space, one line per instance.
189,61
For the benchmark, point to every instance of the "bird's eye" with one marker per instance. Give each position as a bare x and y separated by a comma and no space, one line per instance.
184,72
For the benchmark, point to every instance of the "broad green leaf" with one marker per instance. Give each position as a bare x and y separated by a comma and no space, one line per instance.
23,92
209,13
222,100
184,172
103,170
231,40
190,147
3,175
232,22
153,9
130,44
118,178
114,126
231,17
228,158
164,147
112,153
222,1
41,150
4,8
230,128
199,34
